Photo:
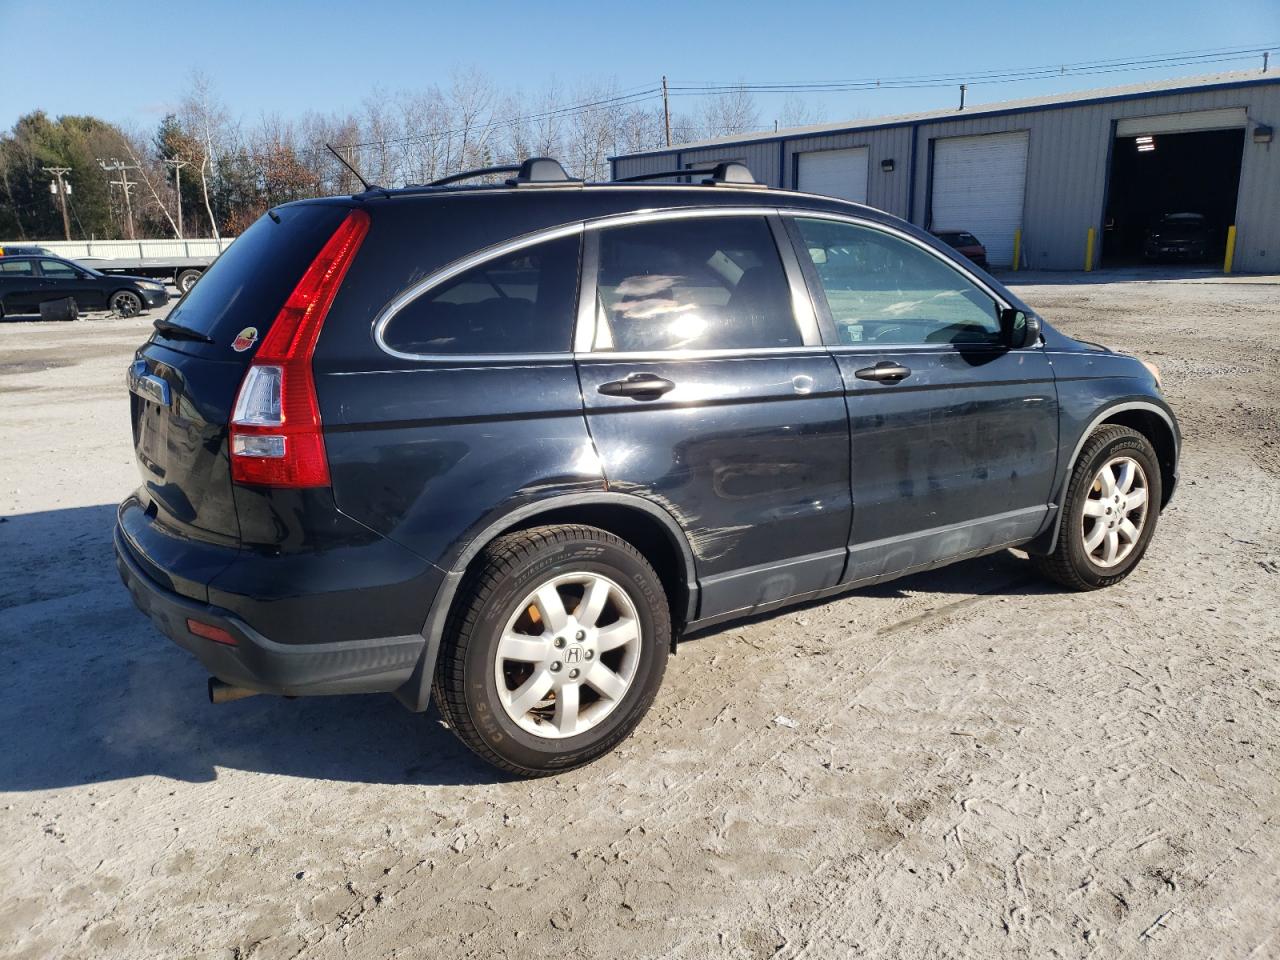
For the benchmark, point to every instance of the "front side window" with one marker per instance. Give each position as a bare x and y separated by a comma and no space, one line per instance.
883,289
519,303
58,270
693,284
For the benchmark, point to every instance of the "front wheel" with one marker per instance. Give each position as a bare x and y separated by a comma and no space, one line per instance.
126,303
1109,513
555,651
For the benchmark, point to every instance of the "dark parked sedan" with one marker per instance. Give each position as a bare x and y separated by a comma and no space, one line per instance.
27,282
499,447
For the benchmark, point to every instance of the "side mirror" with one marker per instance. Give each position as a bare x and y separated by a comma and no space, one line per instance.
1023,328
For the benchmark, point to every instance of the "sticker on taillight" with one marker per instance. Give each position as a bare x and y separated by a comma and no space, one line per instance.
245,339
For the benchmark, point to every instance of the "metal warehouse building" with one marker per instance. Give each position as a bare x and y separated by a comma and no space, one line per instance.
1045,170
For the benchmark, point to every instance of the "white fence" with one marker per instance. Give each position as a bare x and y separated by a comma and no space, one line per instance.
120,249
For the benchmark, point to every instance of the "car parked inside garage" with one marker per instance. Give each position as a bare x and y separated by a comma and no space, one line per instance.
964,243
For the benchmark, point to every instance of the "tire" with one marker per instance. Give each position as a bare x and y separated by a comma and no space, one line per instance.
559,729
60,310
126,303
1079,561
185,280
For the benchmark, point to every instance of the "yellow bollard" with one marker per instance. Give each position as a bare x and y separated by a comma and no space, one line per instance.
1017,248
1088,251
1231,249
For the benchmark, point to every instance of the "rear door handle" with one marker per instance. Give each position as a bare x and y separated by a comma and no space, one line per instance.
147,385
886,371
641,386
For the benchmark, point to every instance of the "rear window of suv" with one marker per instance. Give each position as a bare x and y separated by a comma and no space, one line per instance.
250,282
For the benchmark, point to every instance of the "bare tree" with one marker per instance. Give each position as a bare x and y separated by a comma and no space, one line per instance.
151,172
471,99
379,161
205,116
732,112
425,118
798,112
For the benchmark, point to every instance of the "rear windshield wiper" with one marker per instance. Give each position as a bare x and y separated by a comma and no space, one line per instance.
177,331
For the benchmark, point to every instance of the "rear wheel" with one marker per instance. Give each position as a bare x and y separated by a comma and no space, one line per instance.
186,279
556,650
1110,511
126,303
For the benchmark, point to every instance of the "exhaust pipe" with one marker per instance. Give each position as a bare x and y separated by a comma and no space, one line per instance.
223,692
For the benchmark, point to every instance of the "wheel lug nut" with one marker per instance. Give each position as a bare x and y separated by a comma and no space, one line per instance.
555,667
559,641
573,674
589,654
582,635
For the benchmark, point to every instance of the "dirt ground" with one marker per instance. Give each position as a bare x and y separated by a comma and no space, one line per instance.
980,765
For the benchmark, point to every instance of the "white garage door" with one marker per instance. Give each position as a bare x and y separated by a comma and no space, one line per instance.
834,173
978,186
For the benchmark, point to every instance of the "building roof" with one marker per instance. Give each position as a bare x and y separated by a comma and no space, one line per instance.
1151,87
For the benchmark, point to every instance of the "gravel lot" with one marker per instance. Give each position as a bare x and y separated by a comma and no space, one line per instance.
980,765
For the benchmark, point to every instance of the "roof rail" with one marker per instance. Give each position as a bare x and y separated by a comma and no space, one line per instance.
728,174
536,171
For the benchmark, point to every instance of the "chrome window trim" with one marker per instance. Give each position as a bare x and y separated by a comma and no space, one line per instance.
680,213
654,356
583,333
411,293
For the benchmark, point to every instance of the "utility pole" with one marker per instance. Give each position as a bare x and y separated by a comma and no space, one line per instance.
124,183
177,163
962,90
61,188
666,108
1266,55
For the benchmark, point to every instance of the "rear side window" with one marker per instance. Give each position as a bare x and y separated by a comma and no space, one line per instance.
58,270
16,268
520,303
698,284
250,282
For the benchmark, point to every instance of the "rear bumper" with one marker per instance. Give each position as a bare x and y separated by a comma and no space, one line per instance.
375,665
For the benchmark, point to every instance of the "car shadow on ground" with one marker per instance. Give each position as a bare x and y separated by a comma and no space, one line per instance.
92,693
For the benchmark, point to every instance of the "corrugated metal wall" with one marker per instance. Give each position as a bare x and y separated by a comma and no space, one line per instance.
1067,168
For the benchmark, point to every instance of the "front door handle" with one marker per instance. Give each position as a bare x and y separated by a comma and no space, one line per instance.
641,386
886,371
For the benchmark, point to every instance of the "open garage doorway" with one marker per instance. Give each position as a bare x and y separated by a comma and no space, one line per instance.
1172,190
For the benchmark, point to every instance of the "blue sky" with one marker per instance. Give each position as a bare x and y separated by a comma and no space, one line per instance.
129,61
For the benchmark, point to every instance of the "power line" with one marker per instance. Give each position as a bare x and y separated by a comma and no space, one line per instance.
640,95
915,81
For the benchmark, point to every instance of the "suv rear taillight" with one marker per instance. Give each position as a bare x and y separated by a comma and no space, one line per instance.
276,435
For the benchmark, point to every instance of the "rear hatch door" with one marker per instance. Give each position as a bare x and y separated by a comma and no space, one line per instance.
183,381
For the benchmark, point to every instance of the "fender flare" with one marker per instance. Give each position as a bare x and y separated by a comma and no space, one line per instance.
415,693
1147,406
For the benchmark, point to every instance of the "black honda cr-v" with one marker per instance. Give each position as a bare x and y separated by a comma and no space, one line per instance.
509,441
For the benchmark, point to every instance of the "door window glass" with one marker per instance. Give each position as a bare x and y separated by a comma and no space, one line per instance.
519,303
57,270
883,289
16,268
693,284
